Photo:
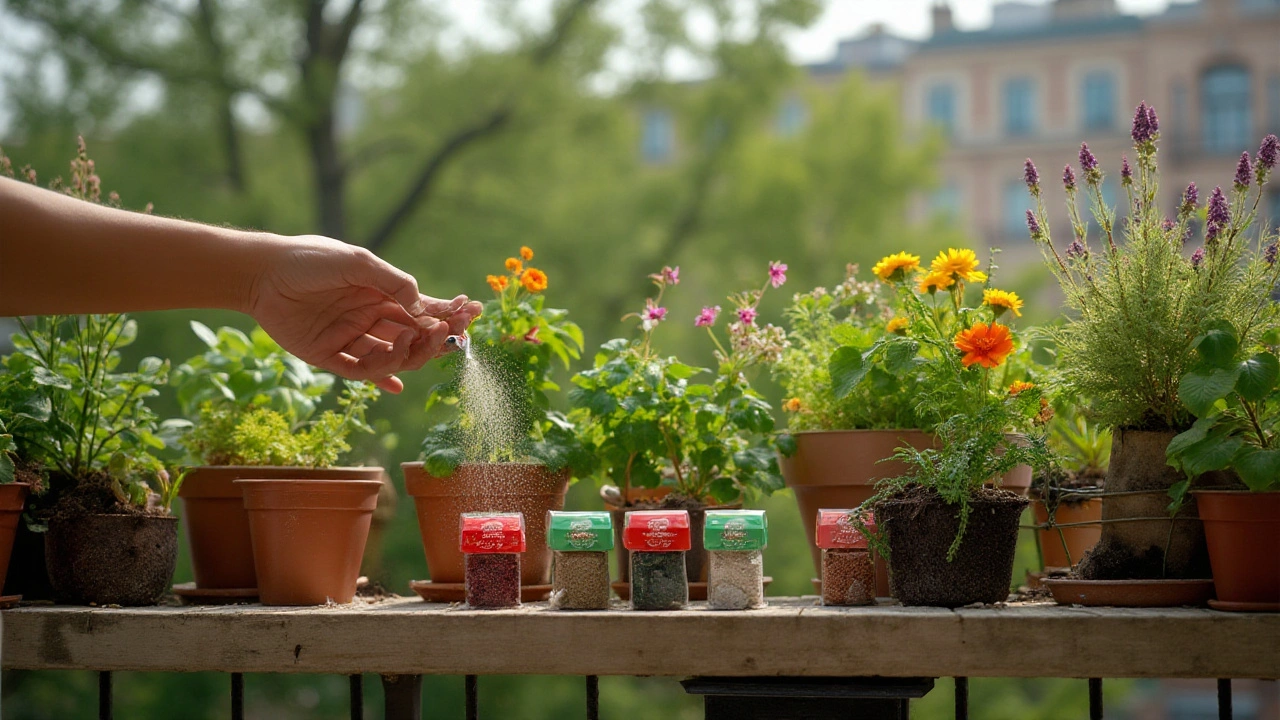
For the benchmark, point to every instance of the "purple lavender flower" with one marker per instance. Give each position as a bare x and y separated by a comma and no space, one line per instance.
1244,171
747,315
1153,122
1126,172
1087,160
1270,252
777,274
1191,196
1141,131
1197,258
1218,217
1268,152
1068,178
708,316
1166,225
1076,249
1031,175
1033,225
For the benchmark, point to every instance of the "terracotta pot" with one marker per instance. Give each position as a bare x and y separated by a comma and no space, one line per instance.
839,468
1243,532
111,559
309,536
12,498
922,527
1079,539
217,525
484,487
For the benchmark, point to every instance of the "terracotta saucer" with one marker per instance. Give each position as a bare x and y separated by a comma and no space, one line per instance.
457,592
1226,606
697,590
8,601
189,594
1130,593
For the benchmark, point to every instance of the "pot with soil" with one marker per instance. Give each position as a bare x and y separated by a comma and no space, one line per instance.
484,487
309,536
921,528
1073,500
1242,530
13,496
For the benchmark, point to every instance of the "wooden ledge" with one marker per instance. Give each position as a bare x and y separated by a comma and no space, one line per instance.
792,637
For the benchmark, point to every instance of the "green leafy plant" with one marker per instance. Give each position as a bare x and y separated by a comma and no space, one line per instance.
517,342
650,423
248,402
1233,393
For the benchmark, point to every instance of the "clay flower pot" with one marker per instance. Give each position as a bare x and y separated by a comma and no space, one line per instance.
921,527
12,498
839,468
309,536
1242,530
217,524
111,559
484,487
1079,539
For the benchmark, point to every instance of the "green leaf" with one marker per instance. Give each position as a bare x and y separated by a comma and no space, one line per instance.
1218,345
203,332
48,378
6,469
1202,387
786,443
1184,440
1257,376
900,354
1210,454
723,490
680,371
847,370
846,334
1258,468
639,436
233,343
599,402
1271,337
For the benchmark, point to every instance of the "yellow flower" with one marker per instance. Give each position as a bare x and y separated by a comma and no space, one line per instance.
515,266
897,325
497,282
935,281
896,267
1020,385
791,405
1000,300
959,264
534,280
526,253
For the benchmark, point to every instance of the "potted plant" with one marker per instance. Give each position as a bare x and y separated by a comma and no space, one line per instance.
23,408
1066,500
1233,393
505,449
253,413
1137,297
652,424
949,535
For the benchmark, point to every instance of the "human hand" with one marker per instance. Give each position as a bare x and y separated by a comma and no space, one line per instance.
342,309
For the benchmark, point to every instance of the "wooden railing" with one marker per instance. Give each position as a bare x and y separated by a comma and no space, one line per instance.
792,656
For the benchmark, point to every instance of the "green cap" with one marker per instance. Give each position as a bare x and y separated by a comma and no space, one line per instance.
735,530
579,531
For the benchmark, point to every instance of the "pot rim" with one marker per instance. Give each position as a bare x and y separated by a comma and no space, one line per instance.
300,468
858,431
331,482
1233,493
420,464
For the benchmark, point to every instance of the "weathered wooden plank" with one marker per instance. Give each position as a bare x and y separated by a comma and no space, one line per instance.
792,637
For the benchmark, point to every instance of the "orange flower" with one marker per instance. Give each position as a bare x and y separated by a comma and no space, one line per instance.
1020,385
791,405
497,282
526,252
987,345
534,280
515,266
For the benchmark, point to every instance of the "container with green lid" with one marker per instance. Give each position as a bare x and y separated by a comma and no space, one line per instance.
580,542
735,540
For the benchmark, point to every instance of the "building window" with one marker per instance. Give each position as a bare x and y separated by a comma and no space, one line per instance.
1014,214
944,202
792,117
1019,106
1225,109
657,136
940,107
1099,94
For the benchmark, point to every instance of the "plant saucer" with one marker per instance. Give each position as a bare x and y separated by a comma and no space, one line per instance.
9,601
1232,606
1130,593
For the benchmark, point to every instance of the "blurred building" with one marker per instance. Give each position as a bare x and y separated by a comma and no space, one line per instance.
1045,76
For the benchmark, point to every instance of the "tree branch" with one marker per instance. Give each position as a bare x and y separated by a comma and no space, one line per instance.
207,28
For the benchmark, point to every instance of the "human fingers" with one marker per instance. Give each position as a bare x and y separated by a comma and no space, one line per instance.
366,344
352,368
462,319
440,308
388,330
373,271
427,347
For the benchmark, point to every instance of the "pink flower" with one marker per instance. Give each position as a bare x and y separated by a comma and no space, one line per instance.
707,317
667,276
777,274
747,315
652,315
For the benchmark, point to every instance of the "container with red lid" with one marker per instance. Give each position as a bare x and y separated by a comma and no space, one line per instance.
492,543
657,540
848,571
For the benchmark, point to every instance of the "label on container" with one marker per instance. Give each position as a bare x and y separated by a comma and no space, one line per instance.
656,531
492,533
837,529
579,531
735,530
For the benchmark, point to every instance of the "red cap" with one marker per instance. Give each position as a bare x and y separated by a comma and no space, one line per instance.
492,533
836,529
656,531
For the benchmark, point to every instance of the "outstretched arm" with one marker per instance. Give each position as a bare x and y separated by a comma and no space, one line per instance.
334,305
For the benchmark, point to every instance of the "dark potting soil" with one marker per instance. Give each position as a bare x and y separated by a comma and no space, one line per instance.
1112,561
31,473
658,581
91,495
111,559
921,527
493,580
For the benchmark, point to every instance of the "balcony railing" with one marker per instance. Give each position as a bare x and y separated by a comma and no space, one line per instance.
793,656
